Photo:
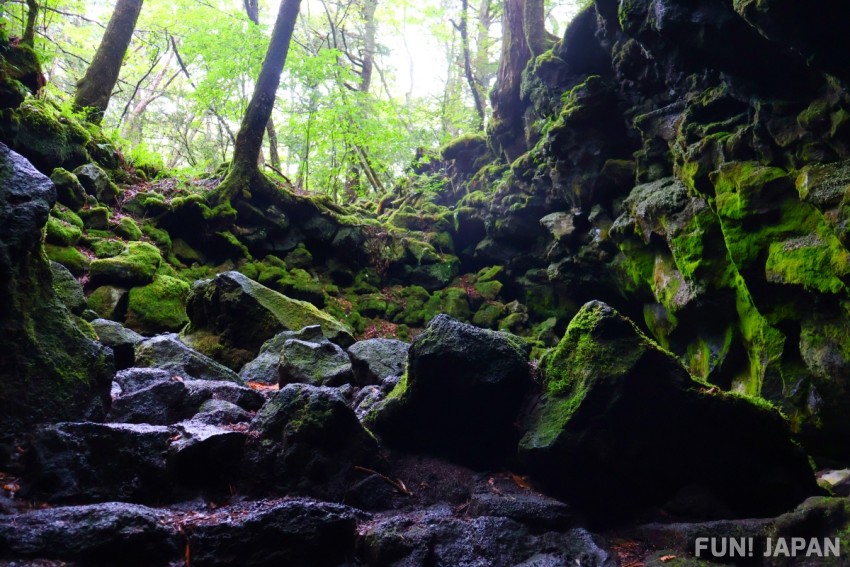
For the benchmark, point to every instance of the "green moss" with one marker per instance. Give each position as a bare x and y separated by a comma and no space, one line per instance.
157,235
234,245
61,233
127,228
136,265
816,114
814,263
488,315
489,290
96,217
67,215
299,258
159,306
76,262
109,302
489,273
764,343
106,247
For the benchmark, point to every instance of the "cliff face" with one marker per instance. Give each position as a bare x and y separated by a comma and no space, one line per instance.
686,163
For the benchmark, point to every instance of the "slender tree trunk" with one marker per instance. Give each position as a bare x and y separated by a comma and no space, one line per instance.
252,9
32,17
95,88
506,128
244,175
463,28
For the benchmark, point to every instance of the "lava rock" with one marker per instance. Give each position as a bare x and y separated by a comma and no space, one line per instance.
68,289
263,369
49,369
242,314
461,393
295,533
169,353
90,462
220,412
306,439
113,533
131,380
319,363
96,182
205,455
615,404
121,340
437,537
375,359
160,403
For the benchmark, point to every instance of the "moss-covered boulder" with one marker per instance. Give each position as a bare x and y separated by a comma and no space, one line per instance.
61,233
49,370
136,265
159,306
231,316
169,353
317,362
109,302
96,183
460,394
306,439
68,289
622,427
69,191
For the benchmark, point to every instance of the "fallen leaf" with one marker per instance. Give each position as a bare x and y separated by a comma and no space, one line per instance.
521,481
666,558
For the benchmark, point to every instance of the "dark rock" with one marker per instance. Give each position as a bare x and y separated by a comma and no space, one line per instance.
98,534
236,315
90,462
68,289
366,399
435,537
501,496
205,455
49,369
295,533
168,400
614,405
133,379
109,302
263,369
169,353
375,359
371,493
160,403
306,439
121,340
461,393
96,182
320,363
69,191
220,412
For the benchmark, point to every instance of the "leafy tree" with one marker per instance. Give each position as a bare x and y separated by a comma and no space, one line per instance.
244,175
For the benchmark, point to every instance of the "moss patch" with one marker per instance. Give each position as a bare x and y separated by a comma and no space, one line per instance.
159,306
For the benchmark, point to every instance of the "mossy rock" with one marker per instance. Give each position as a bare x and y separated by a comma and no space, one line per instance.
96,217
77,262
106,247
814,263
186,253
109,302
158,307
245,314
436,276
127,228
611,392
69,191
68,290
489,290
489,314
299,258
97,183
61,233
136,265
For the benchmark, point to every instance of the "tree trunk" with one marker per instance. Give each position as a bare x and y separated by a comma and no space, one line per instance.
533,19
252,9
95,88
244,175
463,28
506,127
32,16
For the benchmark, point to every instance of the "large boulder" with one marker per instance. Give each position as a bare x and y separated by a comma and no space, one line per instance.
169,353
622,426
121,340
294,532
90,462
231,316
460,395
320,363
49,370
96,534
373,360
264,368
306,438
